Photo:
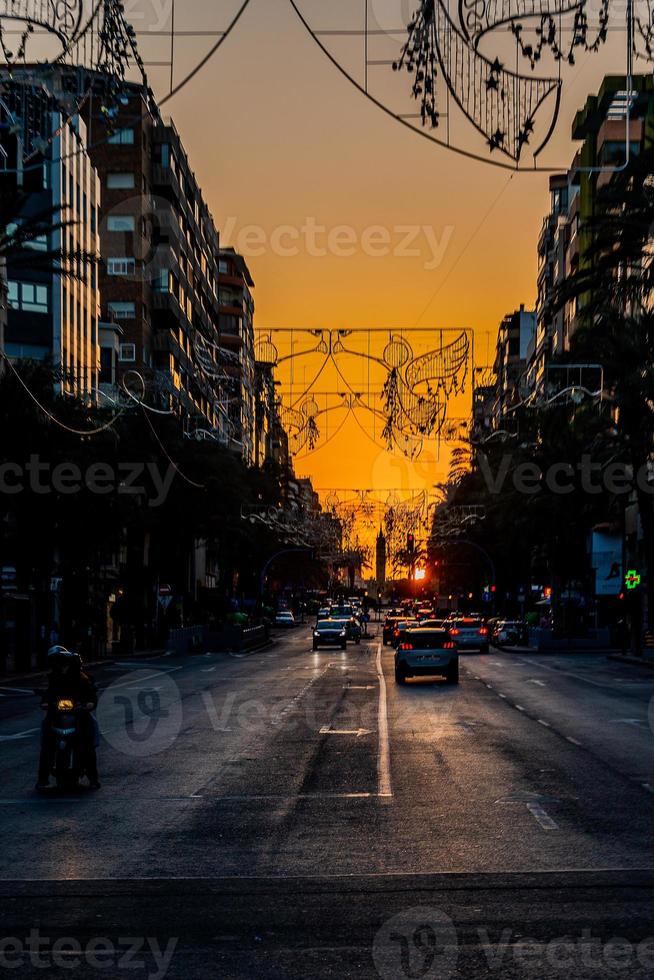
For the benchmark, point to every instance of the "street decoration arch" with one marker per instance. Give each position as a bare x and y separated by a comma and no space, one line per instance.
407,408
497,67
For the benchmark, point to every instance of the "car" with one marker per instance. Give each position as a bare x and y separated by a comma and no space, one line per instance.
427,653
285,619
508,632
330,632
389,625
400,629
323,614
469,634
433,624
342,611
425,612
352,627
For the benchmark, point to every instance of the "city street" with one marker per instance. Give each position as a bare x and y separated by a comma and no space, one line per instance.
300,800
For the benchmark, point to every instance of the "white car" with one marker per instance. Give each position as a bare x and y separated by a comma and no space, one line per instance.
285,619
427,653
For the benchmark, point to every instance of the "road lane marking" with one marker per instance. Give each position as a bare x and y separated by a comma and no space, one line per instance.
503,696
18,690
574,741
519,707
533,681
19,735
158,673
326,730
384,789
545,723
627,721
542,817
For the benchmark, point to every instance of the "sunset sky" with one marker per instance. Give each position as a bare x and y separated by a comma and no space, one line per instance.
278,137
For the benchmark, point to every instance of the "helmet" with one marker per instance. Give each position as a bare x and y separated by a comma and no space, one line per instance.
59,651
59,657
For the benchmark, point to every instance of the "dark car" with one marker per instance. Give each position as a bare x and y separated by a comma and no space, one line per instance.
427,653
352,627
389,625
330,632
400,629
508,633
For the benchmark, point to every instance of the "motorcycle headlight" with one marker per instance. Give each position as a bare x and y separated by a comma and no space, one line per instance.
65,705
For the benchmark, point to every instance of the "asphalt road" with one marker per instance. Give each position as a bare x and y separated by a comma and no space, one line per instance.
292,814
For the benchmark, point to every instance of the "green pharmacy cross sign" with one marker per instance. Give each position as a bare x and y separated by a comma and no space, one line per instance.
632,579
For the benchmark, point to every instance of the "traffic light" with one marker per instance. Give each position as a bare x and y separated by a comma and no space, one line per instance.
410,542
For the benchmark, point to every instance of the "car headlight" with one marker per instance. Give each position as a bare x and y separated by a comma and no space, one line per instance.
343,633
316,633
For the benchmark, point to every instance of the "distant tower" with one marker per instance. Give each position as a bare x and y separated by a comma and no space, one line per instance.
380,565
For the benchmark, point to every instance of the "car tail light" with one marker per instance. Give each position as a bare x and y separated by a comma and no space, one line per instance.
449,645
483,631
406,646
396,632
454,632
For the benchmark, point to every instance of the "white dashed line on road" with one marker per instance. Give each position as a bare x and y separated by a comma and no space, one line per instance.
545,723
542,817
574,741
519,707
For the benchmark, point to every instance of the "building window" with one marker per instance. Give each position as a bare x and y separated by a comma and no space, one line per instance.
121,222
128,353
122,137
161,281
106,365
27,296
124,181
122,311
121,267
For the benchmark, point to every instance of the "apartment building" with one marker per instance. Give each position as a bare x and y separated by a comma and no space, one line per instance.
612,127
53,298
236,321
514,338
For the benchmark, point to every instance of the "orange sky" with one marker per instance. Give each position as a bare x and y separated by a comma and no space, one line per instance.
277,136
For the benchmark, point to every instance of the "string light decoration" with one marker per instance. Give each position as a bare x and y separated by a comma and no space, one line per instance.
494,67
409,406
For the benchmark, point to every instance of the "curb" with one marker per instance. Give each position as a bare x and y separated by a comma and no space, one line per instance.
140,655
647,662
550,652
41,673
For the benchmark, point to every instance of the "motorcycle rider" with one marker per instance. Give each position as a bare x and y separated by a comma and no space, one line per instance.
68,680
